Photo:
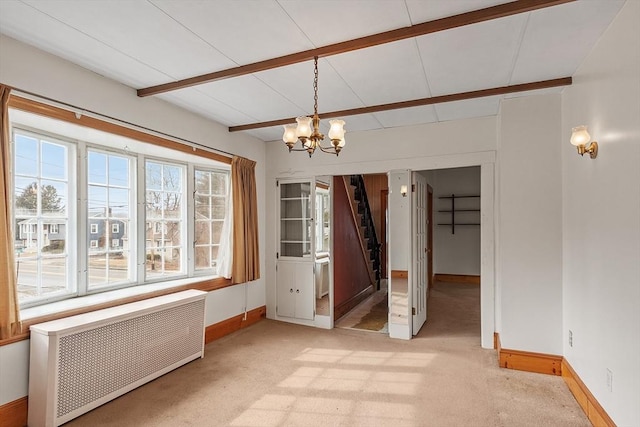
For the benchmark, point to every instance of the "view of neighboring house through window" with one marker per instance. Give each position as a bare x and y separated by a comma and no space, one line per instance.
109,212
43,205
211,189
165,248
116,218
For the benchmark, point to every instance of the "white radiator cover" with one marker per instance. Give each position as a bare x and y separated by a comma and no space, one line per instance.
81,362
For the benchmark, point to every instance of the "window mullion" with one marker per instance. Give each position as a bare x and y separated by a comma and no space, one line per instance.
141,215
81,243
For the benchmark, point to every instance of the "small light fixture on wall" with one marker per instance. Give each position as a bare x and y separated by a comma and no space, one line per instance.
580,138
403,190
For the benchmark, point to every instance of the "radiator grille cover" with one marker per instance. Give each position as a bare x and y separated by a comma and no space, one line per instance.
95,363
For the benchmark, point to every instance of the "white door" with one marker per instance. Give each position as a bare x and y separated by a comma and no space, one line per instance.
296,252
420,266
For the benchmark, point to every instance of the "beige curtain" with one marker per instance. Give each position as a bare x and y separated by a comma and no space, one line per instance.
246,259
9,311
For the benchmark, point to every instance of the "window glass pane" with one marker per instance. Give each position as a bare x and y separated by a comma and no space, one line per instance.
172,178
202,182
153,174
203,207
203,257
53,198
54,161
97,201
26,155
172,205
97,167
118,171
203,233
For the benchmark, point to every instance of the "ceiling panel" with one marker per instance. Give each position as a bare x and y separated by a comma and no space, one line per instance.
381,74
557,39
474,57
327,22
423,11
266,31
268,134
140,30
24,23
295,83
479,107
194,100
407,116
251,96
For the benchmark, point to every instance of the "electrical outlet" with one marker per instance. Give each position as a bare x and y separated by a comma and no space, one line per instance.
570,338
609,380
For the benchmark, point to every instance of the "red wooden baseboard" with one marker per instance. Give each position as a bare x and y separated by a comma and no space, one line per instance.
14,414
457,278
220,329
596,413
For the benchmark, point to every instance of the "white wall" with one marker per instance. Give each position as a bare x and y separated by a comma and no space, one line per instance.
601,221
530,209
35,71
457,253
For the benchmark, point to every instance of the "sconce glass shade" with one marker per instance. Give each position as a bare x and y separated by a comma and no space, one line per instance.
289,136
580,136
341,143
304,127
337,130
403,190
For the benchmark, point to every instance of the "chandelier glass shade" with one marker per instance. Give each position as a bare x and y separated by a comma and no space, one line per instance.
307,129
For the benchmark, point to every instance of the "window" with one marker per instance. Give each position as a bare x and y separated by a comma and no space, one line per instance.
42,194
55,237
164,195
211,190
110,205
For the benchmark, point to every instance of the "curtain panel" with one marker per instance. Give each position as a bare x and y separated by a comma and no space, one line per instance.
246,258
9,309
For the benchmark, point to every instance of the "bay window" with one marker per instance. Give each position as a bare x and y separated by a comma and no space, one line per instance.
95,211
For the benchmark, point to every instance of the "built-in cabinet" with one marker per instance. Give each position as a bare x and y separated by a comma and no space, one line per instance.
295,283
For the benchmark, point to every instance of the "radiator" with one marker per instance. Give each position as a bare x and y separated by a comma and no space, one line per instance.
322,277
81,362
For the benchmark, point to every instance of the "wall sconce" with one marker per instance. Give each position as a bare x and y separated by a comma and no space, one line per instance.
403,190
580,138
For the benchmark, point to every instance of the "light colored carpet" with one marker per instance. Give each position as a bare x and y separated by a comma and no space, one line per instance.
279,374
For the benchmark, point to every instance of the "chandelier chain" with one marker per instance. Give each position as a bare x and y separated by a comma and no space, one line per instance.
315,85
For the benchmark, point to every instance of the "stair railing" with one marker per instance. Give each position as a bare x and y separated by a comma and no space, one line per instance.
364,209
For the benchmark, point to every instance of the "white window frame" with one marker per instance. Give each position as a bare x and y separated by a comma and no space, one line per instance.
79,221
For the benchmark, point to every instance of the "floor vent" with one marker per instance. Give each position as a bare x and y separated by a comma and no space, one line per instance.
81,362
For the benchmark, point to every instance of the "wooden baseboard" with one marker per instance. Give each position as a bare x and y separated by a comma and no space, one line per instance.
346,306
550,364
14,414
596,413
496,341
220,329
457,278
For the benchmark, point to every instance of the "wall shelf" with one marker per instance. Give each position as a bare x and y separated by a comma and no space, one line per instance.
453,211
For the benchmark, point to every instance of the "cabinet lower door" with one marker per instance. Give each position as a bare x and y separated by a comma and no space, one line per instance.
295,290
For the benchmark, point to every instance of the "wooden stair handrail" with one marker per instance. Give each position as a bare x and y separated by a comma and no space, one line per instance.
364,251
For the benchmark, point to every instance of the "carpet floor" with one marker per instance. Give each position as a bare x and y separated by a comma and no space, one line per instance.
279,374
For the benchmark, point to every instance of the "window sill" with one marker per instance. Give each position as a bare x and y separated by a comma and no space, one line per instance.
73,306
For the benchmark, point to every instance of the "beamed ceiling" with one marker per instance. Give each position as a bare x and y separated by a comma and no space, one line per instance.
248,64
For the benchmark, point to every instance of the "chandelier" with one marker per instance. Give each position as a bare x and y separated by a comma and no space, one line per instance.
307,129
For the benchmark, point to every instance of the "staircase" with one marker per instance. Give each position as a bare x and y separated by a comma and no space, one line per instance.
367,228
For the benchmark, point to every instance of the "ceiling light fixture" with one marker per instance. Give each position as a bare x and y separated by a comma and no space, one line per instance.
307,130
580,138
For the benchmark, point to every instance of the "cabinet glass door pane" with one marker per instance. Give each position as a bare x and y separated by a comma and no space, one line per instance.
295,219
